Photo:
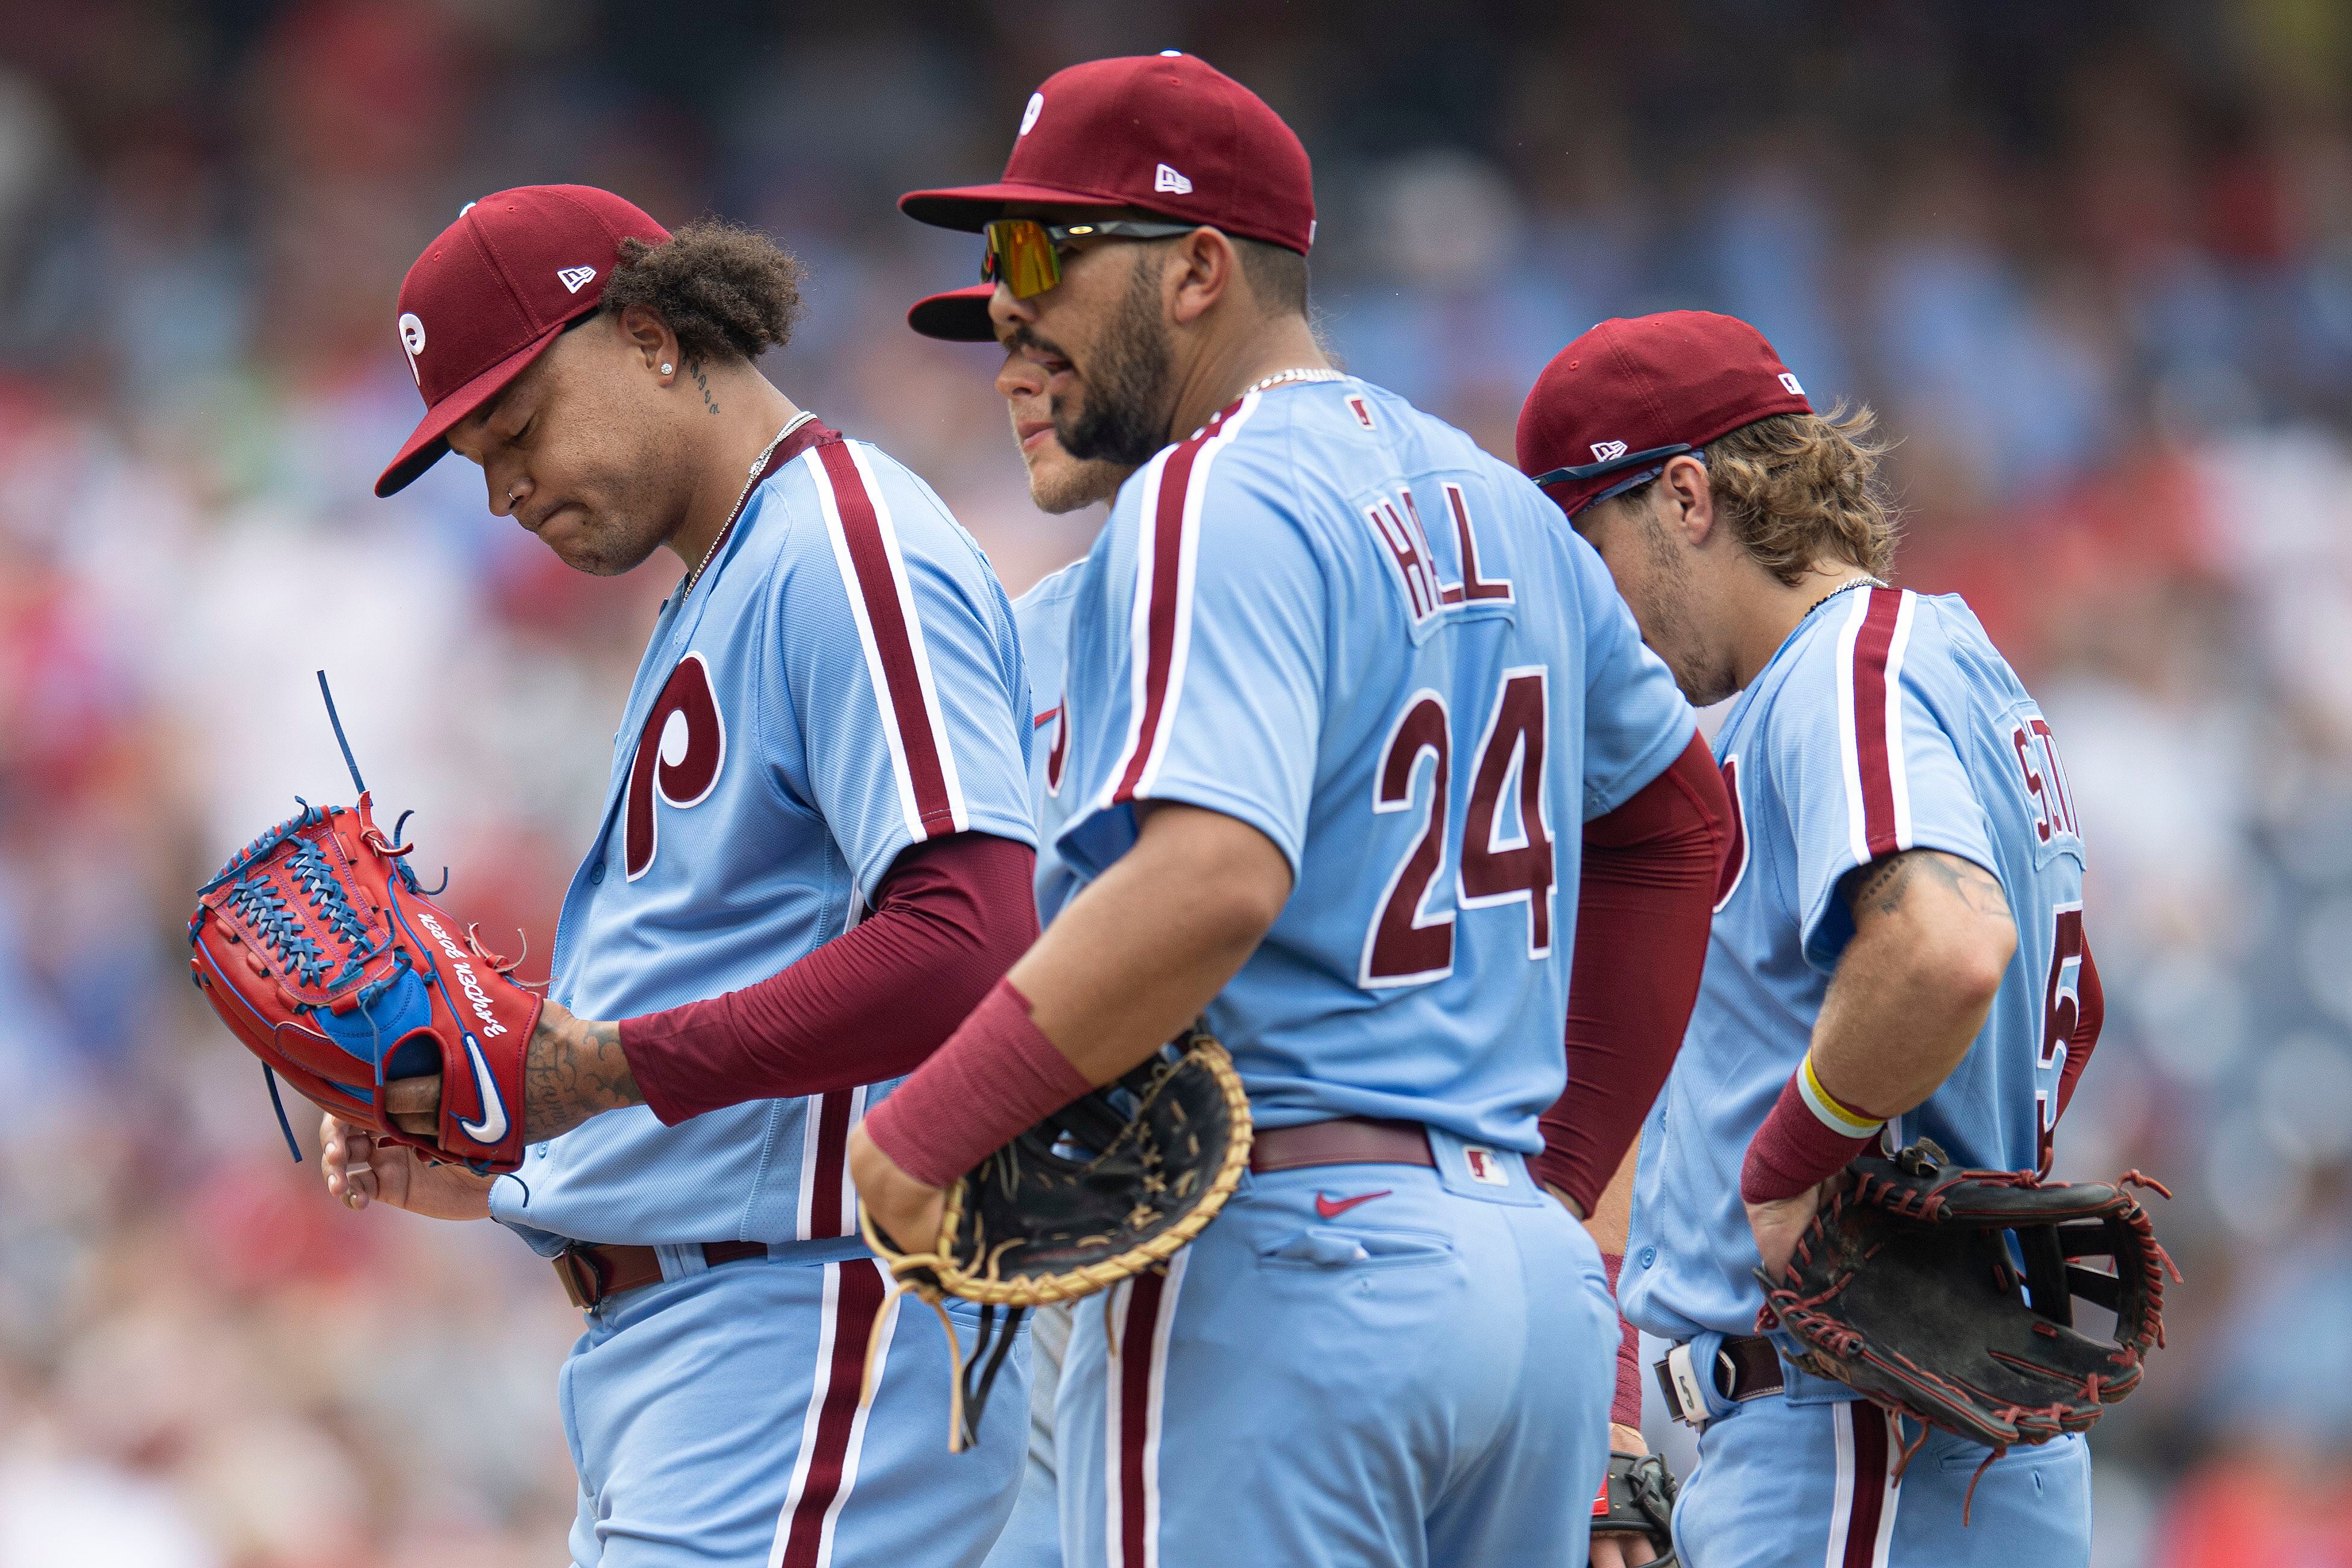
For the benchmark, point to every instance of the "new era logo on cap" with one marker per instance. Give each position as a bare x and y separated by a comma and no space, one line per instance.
1165,133
1660,386
575,277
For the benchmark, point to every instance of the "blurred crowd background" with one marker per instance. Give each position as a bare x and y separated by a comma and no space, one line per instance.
2092,263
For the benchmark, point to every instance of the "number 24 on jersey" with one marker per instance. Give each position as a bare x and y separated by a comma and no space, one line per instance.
1410,939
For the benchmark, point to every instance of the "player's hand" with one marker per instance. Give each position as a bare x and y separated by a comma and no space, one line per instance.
1575,1209
1779,1224
1620,1552
413,1104
361,1171
903,1209
1623,1551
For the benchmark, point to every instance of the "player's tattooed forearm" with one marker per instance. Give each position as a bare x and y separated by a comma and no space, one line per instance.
573,1070
1882,885
694,369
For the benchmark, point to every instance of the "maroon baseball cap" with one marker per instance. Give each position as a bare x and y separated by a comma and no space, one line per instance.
958,316
1166,133
1614,406
494,290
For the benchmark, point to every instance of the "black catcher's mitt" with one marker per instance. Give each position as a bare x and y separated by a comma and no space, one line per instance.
1906,1289
1111,1185
1637,1497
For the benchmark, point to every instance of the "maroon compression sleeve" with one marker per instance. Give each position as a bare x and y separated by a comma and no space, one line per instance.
1625,1404
947,921
1642,907
999,1077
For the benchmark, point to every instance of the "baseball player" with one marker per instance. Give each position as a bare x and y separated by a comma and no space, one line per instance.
814,857
1339,692
1058,483
1898,946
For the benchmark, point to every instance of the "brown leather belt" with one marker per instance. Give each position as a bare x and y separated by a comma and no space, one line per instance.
594,1274
1347,1141
1747,1367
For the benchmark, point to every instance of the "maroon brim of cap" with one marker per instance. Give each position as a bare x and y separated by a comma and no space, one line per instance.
958,316
428,443
973,208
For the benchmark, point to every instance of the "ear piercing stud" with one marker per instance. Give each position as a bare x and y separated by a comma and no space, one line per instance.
667,367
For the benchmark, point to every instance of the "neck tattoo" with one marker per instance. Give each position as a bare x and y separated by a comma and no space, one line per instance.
743,495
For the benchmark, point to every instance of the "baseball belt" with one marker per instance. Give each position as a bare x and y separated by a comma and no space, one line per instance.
592,1275
1747,1367
1345,1141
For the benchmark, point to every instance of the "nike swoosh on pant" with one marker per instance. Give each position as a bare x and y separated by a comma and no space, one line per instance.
1330,1210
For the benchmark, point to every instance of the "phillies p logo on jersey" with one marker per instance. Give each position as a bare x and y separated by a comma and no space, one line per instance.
678,755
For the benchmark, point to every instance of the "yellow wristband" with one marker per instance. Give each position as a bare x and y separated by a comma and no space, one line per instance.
1824,1105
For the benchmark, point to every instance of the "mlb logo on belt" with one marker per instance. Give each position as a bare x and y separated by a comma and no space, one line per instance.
1485,1168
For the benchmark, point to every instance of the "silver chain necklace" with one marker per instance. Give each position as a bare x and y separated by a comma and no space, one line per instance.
1304,373
1865,581
748,480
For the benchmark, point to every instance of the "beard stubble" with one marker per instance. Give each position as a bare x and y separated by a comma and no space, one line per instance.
1125,417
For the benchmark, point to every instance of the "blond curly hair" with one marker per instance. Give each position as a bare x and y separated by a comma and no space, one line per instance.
1801,488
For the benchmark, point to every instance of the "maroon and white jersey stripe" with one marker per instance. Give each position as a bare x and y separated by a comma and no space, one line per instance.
1161,621
828,1206
1871,645
832,1433
1136,1387
857,518
1862,1509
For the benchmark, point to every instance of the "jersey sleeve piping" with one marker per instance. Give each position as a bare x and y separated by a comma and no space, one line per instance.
1160,618
1872,643
768,688
864,541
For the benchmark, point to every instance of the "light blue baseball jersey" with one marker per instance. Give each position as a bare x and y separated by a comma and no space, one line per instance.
1886,721
1042,616
844,681
1333,617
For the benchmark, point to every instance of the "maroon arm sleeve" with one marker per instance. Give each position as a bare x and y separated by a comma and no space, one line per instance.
1642,907
947,921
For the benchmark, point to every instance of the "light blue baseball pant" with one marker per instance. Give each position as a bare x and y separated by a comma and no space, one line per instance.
1354,1365
1806,1478
1033,1536
715,1422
